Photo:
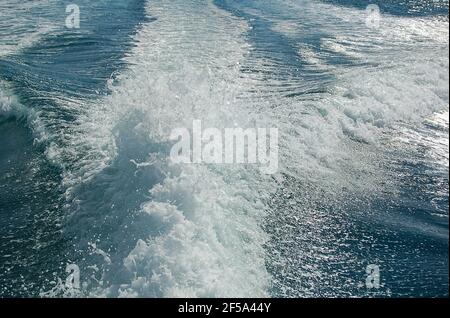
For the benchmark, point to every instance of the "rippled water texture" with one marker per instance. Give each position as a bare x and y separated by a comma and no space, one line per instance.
85,175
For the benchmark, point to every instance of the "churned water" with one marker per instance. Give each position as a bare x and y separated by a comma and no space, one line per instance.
360,102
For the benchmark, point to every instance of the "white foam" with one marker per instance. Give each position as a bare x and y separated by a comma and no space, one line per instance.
313,58
9,106
431,136
288,27
185,66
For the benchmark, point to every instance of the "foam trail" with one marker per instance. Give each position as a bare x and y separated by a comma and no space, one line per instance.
197,230
199,234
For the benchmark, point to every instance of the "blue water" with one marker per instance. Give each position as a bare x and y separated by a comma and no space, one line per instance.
84,176
402,8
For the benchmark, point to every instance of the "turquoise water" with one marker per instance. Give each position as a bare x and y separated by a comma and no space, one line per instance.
85,116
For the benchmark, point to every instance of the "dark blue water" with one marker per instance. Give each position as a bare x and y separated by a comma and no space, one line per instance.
321,237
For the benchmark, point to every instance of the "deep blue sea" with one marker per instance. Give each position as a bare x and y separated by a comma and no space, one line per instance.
361,102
